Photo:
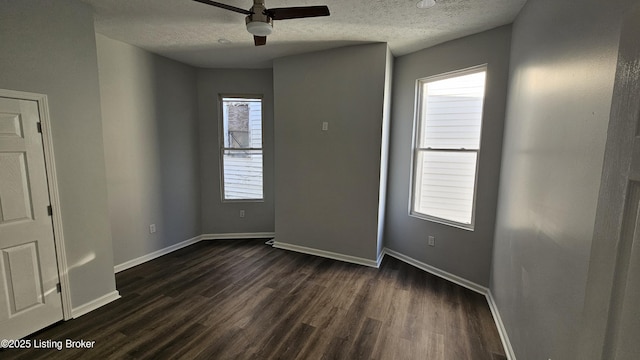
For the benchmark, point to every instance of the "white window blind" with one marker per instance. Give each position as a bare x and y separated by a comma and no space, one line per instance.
241,148
448,125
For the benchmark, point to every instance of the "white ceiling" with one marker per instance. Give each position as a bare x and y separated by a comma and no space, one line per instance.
189,31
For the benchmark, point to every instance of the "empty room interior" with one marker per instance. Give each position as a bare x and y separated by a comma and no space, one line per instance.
389,179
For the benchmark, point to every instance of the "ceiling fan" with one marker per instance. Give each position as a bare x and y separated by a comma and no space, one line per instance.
260,19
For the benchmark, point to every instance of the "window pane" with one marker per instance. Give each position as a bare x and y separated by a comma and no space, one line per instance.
242,174
451,112
242,123
242,131
444,184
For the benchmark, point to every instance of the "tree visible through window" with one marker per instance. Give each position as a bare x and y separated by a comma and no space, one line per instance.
447,145
241,148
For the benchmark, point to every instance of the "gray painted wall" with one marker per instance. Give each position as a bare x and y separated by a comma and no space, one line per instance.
461,252
562,73
149,106
224,217
48,47
328,183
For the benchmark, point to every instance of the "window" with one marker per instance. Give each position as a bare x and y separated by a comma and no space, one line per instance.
241,148
446,146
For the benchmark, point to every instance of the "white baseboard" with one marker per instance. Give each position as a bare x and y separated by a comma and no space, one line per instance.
326,254
94,304
506,344
440,273
144,258
508,349
232,236
156,254
380,258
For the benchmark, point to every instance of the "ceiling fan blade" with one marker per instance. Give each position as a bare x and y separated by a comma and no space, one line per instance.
297,12
225,6
259,40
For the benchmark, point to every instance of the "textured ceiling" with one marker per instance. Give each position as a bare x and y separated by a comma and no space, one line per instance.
189,31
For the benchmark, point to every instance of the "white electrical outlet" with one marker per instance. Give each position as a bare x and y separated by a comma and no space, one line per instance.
432,240
325,126
241,213
152,228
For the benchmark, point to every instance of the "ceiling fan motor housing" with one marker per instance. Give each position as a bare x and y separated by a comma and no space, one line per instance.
259,23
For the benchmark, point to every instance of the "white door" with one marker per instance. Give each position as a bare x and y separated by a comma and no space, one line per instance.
612,306
29,295
624,324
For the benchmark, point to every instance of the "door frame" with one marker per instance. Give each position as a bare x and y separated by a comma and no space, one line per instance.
54,197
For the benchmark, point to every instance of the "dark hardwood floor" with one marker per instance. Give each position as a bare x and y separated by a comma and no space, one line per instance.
246,300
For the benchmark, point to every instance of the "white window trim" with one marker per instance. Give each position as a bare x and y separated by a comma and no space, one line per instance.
221,147
417,128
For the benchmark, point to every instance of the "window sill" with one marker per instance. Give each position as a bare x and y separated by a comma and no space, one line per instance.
467,227
243,200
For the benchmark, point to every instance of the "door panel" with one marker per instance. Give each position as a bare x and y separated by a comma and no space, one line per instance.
627,344
15,197
22,275
29,297
10,125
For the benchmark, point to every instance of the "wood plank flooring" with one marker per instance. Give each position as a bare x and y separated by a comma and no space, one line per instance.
246,300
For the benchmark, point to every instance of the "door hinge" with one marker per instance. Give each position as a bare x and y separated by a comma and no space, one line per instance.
59,287
39,127
50,210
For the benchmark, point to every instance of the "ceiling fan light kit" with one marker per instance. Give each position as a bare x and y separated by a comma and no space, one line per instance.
259,23
259,19
259,28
